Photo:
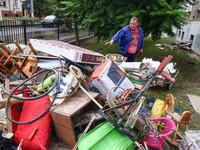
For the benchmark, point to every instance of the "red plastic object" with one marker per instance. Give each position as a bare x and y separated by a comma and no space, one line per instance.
164,63
167,76
157,141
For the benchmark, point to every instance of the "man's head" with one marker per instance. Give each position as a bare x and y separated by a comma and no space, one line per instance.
134,23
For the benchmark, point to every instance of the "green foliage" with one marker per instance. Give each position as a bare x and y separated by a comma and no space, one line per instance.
104,18
41,7
63,29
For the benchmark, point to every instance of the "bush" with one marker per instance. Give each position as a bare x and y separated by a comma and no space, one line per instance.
64,29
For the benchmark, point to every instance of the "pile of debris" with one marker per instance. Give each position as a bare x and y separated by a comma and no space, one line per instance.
181,45
51,81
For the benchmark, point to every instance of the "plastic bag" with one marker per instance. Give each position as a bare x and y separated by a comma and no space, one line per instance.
47,83
158,108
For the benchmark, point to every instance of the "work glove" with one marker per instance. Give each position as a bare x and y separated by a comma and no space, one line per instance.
110,43
141,51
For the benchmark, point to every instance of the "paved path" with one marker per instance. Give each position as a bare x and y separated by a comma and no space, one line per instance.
194,56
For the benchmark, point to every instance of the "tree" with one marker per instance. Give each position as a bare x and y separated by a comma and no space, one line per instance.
73,10
104,18
155,16
41,7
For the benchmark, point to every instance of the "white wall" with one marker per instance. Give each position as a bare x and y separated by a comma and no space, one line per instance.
187,31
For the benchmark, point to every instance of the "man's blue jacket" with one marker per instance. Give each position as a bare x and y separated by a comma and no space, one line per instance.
123,37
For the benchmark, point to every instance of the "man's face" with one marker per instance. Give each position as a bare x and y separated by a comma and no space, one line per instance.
133,24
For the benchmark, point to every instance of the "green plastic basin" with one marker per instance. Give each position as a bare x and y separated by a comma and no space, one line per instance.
105,137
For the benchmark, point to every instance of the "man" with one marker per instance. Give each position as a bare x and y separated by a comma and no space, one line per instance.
130,40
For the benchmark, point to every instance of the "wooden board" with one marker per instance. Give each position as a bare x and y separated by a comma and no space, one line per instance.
195,101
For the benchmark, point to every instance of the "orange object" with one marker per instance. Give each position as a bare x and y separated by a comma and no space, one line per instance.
110,43
141,51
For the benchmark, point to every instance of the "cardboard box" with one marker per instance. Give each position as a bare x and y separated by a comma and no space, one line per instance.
74,53
107,76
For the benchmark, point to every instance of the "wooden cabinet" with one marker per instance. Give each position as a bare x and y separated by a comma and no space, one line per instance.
62,115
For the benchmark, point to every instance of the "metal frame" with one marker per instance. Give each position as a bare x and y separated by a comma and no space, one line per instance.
119,124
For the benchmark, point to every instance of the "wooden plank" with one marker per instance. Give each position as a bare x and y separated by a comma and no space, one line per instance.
27,68
12,101
4,67
9,108
8,50
19,47
195,101
8,57
80,100
32,50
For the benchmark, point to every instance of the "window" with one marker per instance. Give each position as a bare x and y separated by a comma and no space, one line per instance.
188,8
191,37
4,3
179,34
16,3
182,35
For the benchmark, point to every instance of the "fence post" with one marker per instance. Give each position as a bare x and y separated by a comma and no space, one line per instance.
25,39
58,30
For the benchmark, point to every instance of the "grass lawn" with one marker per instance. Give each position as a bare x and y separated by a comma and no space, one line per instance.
187,81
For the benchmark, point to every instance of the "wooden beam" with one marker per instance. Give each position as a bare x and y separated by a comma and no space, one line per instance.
12,101
19,47
9,108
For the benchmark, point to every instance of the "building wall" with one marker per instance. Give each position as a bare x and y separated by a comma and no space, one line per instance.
8,9
194,11
6,13
190,32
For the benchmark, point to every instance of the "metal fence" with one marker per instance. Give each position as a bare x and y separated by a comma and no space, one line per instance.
22,31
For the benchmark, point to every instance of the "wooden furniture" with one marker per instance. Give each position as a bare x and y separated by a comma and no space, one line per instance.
183,119
62,116
10,63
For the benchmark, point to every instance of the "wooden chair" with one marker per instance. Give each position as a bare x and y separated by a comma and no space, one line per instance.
29,63
8,56
24,65
183,119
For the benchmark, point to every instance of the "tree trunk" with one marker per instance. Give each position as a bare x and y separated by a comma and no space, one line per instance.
76,34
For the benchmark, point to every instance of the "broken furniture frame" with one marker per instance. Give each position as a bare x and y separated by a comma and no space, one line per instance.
168,83
119,124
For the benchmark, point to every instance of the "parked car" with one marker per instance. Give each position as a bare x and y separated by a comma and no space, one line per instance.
52,21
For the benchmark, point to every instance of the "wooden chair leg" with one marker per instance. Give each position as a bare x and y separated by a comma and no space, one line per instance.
176,131
186,126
